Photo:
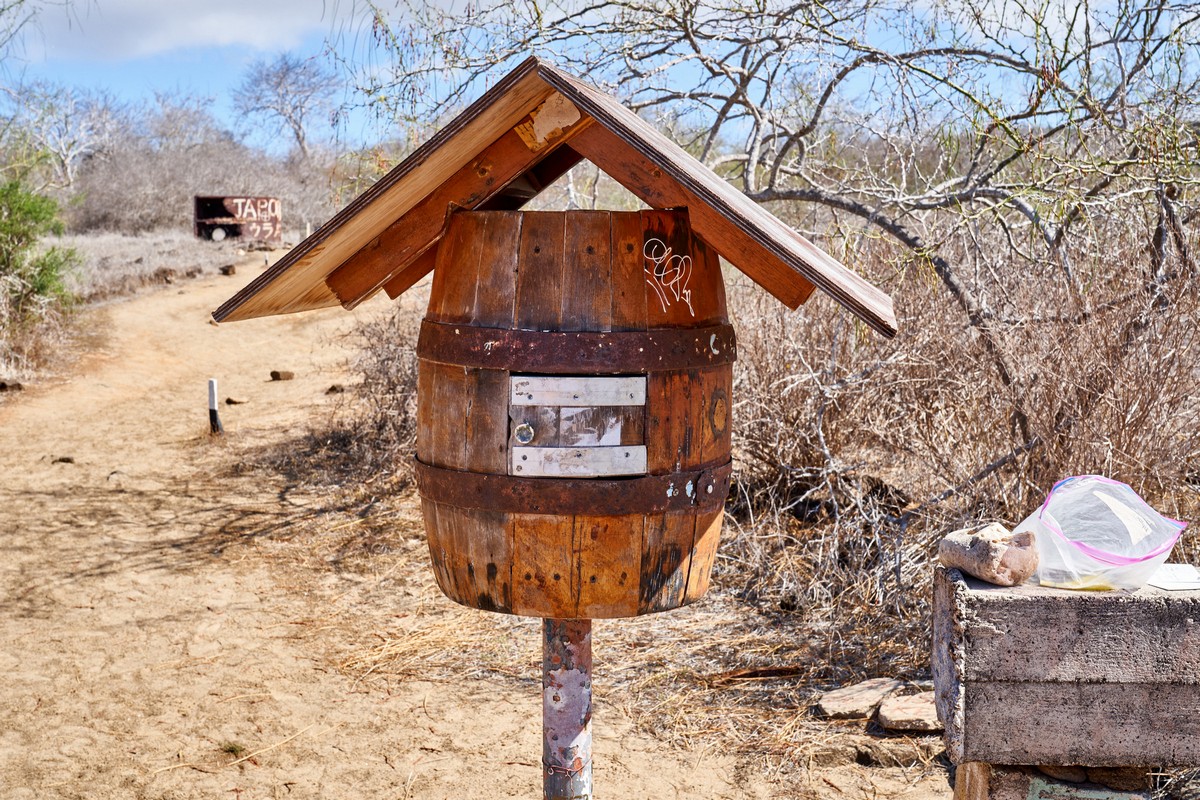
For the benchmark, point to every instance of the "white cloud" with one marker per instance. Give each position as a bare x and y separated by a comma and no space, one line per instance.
120,30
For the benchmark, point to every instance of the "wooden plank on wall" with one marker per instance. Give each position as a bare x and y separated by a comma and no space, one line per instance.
666,558
455,278
668,420
669,270
486,421
477,548
704,553
609,555
544,582
629,285
496,295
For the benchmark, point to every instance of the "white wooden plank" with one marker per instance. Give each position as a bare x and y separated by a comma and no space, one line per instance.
558,390
578,462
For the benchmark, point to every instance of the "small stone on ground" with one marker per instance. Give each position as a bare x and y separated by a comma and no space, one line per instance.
858,701
282,375
913,713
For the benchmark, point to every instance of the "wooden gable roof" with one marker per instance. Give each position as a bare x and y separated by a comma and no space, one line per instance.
520,136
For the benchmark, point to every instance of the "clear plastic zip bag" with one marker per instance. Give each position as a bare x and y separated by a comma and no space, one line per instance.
1096,533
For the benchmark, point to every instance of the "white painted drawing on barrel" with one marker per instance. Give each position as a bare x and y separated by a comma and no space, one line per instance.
669,273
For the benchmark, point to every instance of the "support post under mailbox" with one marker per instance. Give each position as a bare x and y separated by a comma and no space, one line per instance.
567,709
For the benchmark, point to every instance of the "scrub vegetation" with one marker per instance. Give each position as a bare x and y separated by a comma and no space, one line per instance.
1022,179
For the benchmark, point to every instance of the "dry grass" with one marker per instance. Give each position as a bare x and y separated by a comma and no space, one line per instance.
714,675
854,456
116,265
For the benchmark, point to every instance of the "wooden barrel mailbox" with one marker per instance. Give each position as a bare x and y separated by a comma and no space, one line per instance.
573,449
574,401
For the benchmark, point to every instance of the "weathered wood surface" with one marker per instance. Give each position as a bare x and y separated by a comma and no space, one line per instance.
559,426
578,462
721,213
1034,675
532,390
513,137
297,281
534,271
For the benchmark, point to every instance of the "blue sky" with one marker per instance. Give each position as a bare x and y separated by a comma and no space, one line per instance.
134,48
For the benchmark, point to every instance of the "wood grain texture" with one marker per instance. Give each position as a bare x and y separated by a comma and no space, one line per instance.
284,288
540,276
608,550
486,420
496,292
456,276
444,443
733,224
669,270
570,390
666,561
545,572
708,295
704,553
395,249
714,427
629,287
408,277
1028,674
669,436
472,553
587,272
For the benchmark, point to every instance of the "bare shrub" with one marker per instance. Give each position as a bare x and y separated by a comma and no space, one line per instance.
856,455
366,447
1033,216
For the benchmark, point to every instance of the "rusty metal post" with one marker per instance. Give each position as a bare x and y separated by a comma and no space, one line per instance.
567,709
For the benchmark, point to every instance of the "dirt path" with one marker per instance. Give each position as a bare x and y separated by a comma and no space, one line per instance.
145,656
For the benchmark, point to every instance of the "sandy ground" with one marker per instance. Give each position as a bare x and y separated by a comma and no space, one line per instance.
149,649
